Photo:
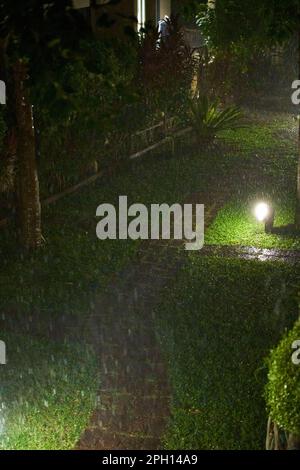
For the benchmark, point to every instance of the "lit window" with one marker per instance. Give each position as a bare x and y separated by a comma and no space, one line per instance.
141,13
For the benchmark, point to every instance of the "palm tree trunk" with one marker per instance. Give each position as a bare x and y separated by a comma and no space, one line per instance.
29,209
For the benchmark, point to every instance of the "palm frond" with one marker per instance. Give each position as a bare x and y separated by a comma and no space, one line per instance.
208,119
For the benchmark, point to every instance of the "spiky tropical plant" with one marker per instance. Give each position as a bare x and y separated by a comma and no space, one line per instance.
208,119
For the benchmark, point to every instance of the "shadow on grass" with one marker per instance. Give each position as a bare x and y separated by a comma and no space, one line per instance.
288,231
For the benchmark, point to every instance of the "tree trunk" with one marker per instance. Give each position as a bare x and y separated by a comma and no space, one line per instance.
3,45
293,442
297,215
9,148
29,209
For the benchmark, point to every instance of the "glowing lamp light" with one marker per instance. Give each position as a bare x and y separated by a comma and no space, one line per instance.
265,213
262,211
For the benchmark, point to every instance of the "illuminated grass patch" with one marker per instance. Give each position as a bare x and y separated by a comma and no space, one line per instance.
47,393
236,224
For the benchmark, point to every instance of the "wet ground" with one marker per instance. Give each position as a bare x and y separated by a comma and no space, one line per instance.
251,253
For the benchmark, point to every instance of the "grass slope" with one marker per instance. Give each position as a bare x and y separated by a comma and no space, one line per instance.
216,325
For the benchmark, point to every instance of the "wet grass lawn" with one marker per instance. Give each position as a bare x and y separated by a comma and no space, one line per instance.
236,224
46,403
63,275
272,149
47,393
216,325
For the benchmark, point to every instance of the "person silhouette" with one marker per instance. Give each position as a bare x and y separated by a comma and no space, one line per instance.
164,28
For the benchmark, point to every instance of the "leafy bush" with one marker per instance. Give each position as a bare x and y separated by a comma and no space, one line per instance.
241,62
283,388
81,117
244,73
166,71
208,119
86,116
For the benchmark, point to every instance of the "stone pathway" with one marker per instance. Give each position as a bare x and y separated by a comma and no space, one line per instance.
134,395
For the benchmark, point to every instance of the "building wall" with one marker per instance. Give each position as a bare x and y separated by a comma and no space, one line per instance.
81,4
155,10
165,8
151,10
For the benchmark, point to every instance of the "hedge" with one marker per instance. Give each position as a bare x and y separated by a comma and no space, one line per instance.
283,388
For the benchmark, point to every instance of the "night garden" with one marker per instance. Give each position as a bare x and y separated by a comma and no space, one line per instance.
116,334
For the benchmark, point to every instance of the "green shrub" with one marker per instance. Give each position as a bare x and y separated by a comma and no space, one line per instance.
283,388
79,116
260,67
166,72
87,114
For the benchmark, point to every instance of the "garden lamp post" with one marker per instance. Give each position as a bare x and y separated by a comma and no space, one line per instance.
265,213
